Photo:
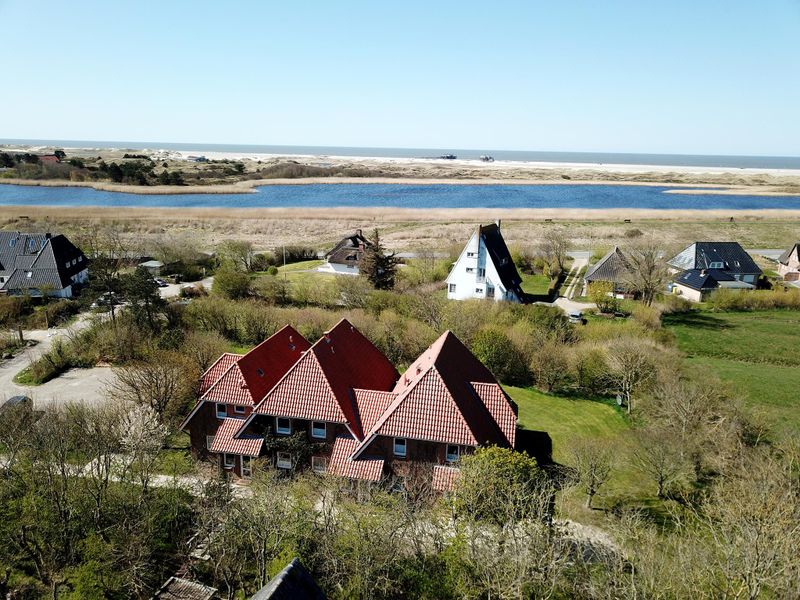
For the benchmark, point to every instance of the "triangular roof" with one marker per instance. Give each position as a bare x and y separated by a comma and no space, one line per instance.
215,371
447,395
294,582
349,248
701,255
703,279
784,258
34,260
320,386
501,257
614,267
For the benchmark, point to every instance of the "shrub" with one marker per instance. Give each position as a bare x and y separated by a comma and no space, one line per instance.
648,316
494,349
674,304
725,299
231,283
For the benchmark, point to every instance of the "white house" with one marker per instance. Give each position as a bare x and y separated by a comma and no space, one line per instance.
40,263
346,255
485,269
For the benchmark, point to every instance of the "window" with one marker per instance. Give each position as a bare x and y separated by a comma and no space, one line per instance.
209,441
478,290
239,410
247,470
470,269
222,411
472,254
318,430
283,460
490,292
80,259
29,274
283,425
716,265
452,288
481,272
229,461
66,264
260,372
452,453
319,464
400,447
503,261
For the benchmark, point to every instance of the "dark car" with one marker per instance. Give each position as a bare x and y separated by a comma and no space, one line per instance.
16,401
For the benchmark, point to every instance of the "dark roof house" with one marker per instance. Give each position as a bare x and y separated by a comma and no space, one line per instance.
613,267
724,256
33,262
294,582
345,256
177,588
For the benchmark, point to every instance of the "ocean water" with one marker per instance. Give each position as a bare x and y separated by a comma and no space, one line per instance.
687,160
404,196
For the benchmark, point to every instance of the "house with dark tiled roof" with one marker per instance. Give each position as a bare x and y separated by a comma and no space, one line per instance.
177,588
485,269
789,263
344,258
613,268
704,267
361,419
39,264
293,582
229,391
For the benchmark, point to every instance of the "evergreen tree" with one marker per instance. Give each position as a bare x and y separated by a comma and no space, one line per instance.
378,266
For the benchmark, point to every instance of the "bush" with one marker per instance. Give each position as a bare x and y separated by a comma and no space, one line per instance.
674,304
725,299
648,316
494,349
231,284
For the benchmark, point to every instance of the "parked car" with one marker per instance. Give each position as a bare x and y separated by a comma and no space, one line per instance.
576,317
108,299
161,283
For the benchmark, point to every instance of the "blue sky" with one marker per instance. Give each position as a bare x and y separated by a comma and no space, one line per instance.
702,76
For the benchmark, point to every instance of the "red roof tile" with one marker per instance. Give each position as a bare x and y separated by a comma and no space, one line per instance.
445,478
320,385
252,375
225,441
368,468
437,400
215,371
371,404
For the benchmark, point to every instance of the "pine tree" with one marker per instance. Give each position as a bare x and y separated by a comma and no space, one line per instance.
378,266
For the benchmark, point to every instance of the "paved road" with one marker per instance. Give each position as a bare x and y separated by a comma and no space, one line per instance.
76,385
173,290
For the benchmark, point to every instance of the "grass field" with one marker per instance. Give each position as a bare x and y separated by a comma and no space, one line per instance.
535,284
757,353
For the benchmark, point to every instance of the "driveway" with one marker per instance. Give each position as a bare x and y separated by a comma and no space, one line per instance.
76,385
173,290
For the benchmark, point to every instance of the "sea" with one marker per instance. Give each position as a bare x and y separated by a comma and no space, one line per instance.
606,158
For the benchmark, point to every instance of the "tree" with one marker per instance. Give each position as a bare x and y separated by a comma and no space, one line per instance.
494,349
239,253
593,461
231,283
107,253
554,247
378,266
634,364
59,154
550,365
602,294
658,455
647,273
144,298
115,172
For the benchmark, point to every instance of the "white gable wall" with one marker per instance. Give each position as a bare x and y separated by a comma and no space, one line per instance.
480,279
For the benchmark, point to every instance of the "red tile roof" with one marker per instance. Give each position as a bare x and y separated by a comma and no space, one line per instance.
448,396
215,371
225,441
320,385
252,375
368,468
445,478
371,404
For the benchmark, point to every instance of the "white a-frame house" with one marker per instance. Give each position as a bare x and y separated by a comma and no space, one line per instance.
485,269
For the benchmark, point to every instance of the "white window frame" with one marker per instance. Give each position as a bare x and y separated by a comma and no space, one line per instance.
283,431
478,290
472,254
481,272
452,288
716,265
209,441
449,456
489,292
404,452
324,430
283,460
319,464
238,409
226,464
247,466
224,408
470,269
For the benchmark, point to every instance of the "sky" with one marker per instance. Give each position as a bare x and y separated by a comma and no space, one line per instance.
683,77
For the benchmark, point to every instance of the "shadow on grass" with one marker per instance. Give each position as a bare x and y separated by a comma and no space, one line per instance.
697,320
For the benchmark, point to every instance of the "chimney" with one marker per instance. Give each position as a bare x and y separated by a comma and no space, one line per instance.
703,272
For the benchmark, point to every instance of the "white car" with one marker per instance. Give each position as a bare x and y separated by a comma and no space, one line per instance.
576,317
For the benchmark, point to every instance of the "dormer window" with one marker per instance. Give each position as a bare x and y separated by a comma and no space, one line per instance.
716,265
260,372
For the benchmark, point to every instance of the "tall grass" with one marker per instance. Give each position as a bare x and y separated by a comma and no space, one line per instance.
729,300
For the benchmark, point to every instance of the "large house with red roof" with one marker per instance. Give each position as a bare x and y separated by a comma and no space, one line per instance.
360,418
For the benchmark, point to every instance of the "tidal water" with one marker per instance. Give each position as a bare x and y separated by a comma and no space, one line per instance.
404,196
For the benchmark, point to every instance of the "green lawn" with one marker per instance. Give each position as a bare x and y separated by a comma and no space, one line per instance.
535,284
758,353
303,265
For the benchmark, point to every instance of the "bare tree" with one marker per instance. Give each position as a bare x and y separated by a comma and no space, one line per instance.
554,247
633,363
658,455
237,252
647,272
593,459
